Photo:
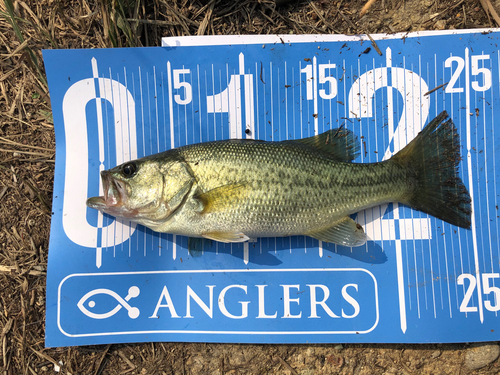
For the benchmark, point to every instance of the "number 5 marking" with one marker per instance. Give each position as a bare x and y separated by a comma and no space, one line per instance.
188,91
332,82
476,70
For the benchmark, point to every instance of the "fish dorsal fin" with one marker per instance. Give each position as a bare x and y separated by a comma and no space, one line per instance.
340,143
221,198
345,232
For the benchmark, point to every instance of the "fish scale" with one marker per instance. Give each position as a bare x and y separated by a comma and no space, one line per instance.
297,198
236,190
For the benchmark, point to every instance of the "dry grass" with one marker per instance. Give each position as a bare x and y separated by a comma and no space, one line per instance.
27,167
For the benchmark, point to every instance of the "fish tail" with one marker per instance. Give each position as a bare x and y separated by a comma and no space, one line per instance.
431,160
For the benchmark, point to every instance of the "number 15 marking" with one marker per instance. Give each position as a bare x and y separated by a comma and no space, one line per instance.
322,79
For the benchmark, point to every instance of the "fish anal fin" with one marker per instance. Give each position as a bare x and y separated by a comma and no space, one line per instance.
345,232
222,197
340,143
226,236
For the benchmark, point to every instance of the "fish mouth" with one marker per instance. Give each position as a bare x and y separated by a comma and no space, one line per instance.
114,196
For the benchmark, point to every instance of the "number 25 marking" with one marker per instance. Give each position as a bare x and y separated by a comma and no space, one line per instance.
475,71
464,306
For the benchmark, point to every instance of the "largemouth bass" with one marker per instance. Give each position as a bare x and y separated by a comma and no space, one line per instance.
237,190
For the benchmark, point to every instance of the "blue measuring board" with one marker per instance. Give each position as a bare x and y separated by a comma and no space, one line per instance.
417,280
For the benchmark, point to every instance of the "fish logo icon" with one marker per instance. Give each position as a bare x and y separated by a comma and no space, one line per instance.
133,312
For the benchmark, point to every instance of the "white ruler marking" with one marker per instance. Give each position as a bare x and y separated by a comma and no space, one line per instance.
172,138
471,185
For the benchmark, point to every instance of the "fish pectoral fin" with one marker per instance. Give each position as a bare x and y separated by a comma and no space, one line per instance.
222,197
346,232
226,236
340,143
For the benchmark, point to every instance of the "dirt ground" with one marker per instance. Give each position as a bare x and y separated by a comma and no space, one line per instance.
27,149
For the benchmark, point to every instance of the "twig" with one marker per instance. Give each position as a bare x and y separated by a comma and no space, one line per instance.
487,6
318,12
7,327
154,22
46,357
12,20
9,73
34,272
26,152
435,88
2,193
366,7
17,50
368,35
122,356
101,364
8,141
374,44
206,20
290,368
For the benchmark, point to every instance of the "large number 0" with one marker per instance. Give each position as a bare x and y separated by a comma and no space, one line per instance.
188,92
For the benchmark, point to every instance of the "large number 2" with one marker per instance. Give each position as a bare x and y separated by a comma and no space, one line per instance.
464,306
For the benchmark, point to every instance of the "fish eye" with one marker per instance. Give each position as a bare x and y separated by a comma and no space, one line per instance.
128,170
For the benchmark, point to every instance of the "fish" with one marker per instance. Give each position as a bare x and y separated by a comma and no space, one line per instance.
239,190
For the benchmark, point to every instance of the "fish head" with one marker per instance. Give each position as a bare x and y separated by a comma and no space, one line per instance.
132,190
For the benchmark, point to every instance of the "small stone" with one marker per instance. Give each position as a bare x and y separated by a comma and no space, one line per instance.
440,25
435,354
366,370
338,347
481,355
310,356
